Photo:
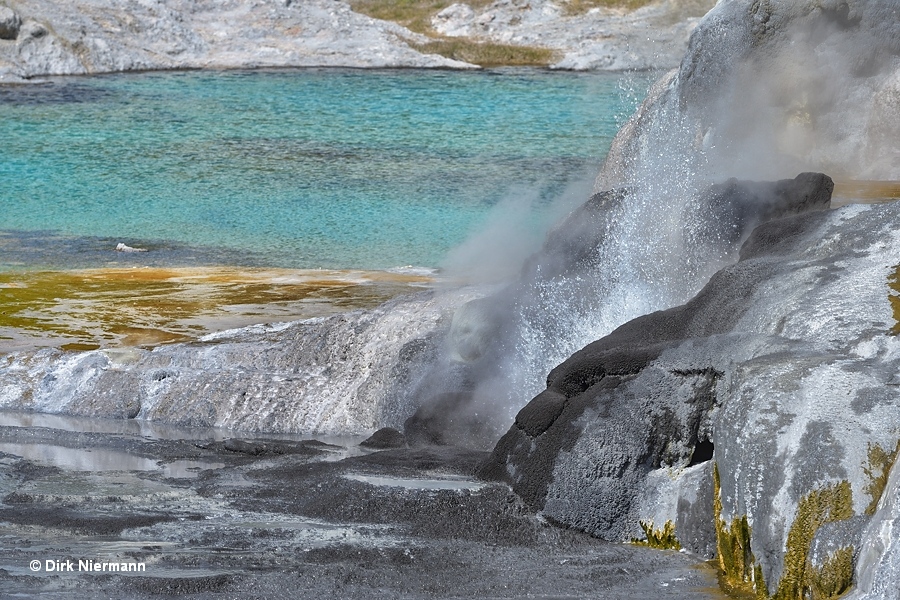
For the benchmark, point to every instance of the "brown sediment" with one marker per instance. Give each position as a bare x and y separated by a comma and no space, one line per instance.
894,298
854,191
88,309
877,469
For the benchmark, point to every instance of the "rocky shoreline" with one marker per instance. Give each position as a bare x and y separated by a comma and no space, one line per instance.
53,37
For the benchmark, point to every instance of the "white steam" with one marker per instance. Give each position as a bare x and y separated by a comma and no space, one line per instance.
767,90
513,231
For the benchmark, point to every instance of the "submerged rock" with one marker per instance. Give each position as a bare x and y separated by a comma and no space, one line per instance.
123,247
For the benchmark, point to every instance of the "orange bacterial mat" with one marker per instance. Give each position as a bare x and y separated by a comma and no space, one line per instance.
143,306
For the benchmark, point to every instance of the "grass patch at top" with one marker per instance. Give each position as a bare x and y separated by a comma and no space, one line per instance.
415,15
487,54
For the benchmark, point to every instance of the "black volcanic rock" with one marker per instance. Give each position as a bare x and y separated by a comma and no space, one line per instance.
386,437
654,413
727,212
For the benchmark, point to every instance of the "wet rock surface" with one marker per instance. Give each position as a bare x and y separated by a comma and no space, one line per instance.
757,373
350,373
324,520
807,395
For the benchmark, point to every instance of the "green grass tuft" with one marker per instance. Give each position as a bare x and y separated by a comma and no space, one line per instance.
415,15
833,578
738,572
662,539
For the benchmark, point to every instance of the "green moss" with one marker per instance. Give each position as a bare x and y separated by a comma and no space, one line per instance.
762,591
833,578
662,539
739,573
741,576
880,463
825,505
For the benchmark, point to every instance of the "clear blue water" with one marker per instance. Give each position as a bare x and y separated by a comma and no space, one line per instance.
300,168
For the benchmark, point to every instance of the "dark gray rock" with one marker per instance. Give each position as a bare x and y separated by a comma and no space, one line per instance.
386,437
726,213
269,448
500,346
252,448
645,428
694,517
575,244
10,23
